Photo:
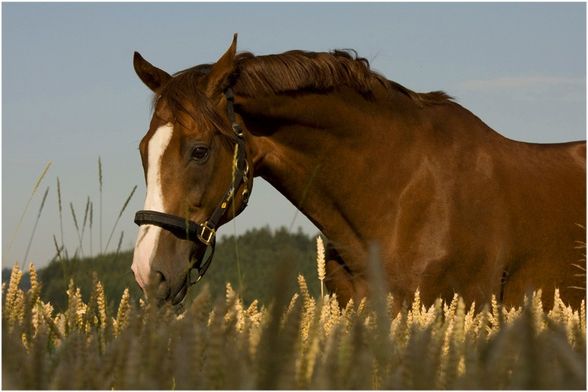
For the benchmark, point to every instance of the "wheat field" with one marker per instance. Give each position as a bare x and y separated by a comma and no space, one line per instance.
295,343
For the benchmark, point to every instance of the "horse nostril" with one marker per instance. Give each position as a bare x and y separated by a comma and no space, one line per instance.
162,288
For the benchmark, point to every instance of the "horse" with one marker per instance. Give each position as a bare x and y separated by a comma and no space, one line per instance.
454,206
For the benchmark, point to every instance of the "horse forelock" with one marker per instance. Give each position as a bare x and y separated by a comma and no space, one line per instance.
186,101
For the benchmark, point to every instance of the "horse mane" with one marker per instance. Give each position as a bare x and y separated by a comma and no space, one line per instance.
298,70
289,72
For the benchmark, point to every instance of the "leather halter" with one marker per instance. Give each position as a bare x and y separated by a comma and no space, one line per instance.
204,234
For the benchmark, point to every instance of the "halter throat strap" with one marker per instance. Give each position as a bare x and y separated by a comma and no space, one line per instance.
204,234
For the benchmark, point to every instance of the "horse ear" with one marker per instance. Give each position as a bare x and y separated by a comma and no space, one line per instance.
153,77
221,70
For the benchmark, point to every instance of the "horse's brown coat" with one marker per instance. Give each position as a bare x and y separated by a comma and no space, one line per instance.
454,206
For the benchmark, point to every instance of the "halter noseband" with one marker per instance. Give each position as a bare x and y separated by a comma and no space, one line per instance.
204,234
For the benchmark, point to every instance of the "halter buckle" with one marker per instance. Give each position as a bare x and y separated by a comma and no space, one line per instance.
206,234
237,129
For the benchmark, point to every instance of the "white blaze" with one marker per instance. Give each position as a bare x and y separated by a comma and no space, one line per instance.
148,236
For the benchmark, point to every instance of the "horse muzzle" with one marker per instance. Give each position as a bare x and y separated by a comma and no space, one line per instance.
163,292
202,237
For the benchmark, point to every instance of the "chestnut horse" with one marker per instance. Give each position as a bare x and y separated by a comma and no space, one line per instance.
454,206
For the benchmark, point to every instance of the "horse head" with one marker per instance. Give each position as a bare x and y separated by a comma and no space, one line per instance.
196,171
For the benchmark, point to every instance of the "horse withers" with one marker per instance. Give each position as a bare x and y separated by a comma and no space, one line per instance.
453,206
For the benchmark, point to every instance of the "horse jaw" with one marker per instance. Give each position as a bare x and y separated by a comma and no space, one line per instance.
148,237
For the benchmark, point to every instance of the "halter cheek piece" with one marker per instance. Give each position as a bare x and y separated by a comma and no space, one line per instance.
204,234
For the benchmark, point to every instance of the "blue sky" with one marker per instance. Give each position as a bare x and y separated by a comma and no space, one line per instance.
69,92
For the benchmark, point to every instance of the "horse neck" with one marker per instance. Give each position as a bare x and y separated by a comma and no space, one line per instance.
325,151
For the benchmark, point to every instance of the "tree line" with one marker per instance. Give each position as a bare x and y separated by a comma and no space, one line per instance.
249,262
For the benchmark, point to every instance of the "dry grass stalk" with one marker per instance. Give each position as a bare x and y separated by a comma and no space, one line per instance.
120,241
75,220
100,201
85,222
60,210
91,226
122,210
35,225
34,190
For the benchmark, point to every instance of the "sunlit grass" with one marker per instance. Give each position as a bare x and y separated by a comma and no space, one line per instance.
294,343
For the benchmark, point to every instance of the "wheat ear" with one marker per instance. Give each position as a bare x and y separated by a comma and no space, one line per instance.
320,262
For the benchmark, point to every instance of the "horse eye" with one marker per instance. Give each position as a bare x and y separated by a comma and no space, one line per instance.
200,153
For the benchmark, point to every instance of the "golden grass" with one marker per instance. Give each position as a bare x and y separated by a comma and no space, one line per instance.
295,343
